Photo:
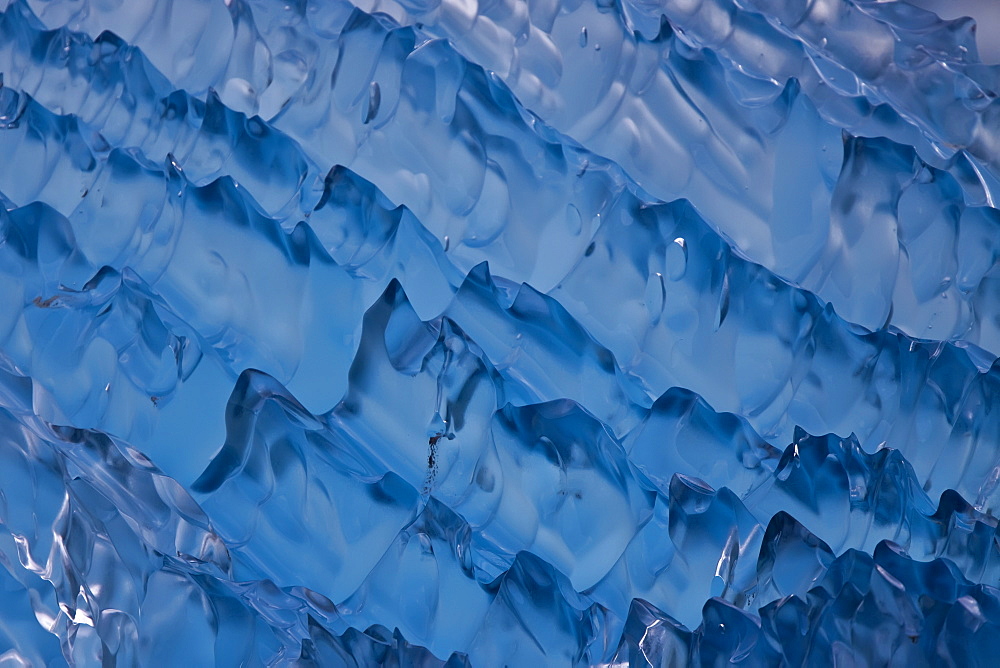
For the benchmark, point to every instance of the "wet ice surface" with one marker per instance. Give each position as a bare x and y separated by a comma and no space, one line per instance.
405,333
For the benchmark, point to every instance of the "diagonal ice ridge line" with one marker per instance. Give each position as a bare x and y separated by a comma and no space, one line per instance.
624,115
654,378
916,310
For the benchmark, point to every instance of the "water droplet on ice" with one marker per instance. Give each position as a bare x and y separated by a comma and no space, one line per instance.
677,255
656,297
583,36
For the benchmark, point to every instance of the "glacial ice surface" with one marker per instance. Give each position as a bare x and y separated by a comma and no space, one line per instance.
448,333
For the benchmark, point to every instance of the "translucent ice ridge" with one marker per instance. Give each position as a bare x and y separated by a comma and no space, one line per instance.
405,332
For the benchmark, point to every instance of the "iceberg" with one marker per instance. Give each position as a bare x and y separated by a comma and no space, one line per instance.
448,333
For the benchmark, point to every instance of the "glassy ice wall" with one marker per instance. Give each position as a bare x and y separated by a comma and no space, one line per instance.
446,332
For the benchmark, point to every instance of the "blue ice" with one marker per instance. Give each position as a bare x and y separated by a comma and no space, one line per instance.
513,333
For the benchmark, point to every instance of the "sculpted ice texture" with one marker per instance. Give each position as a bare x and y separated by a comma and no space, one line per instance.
496,334
679,123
